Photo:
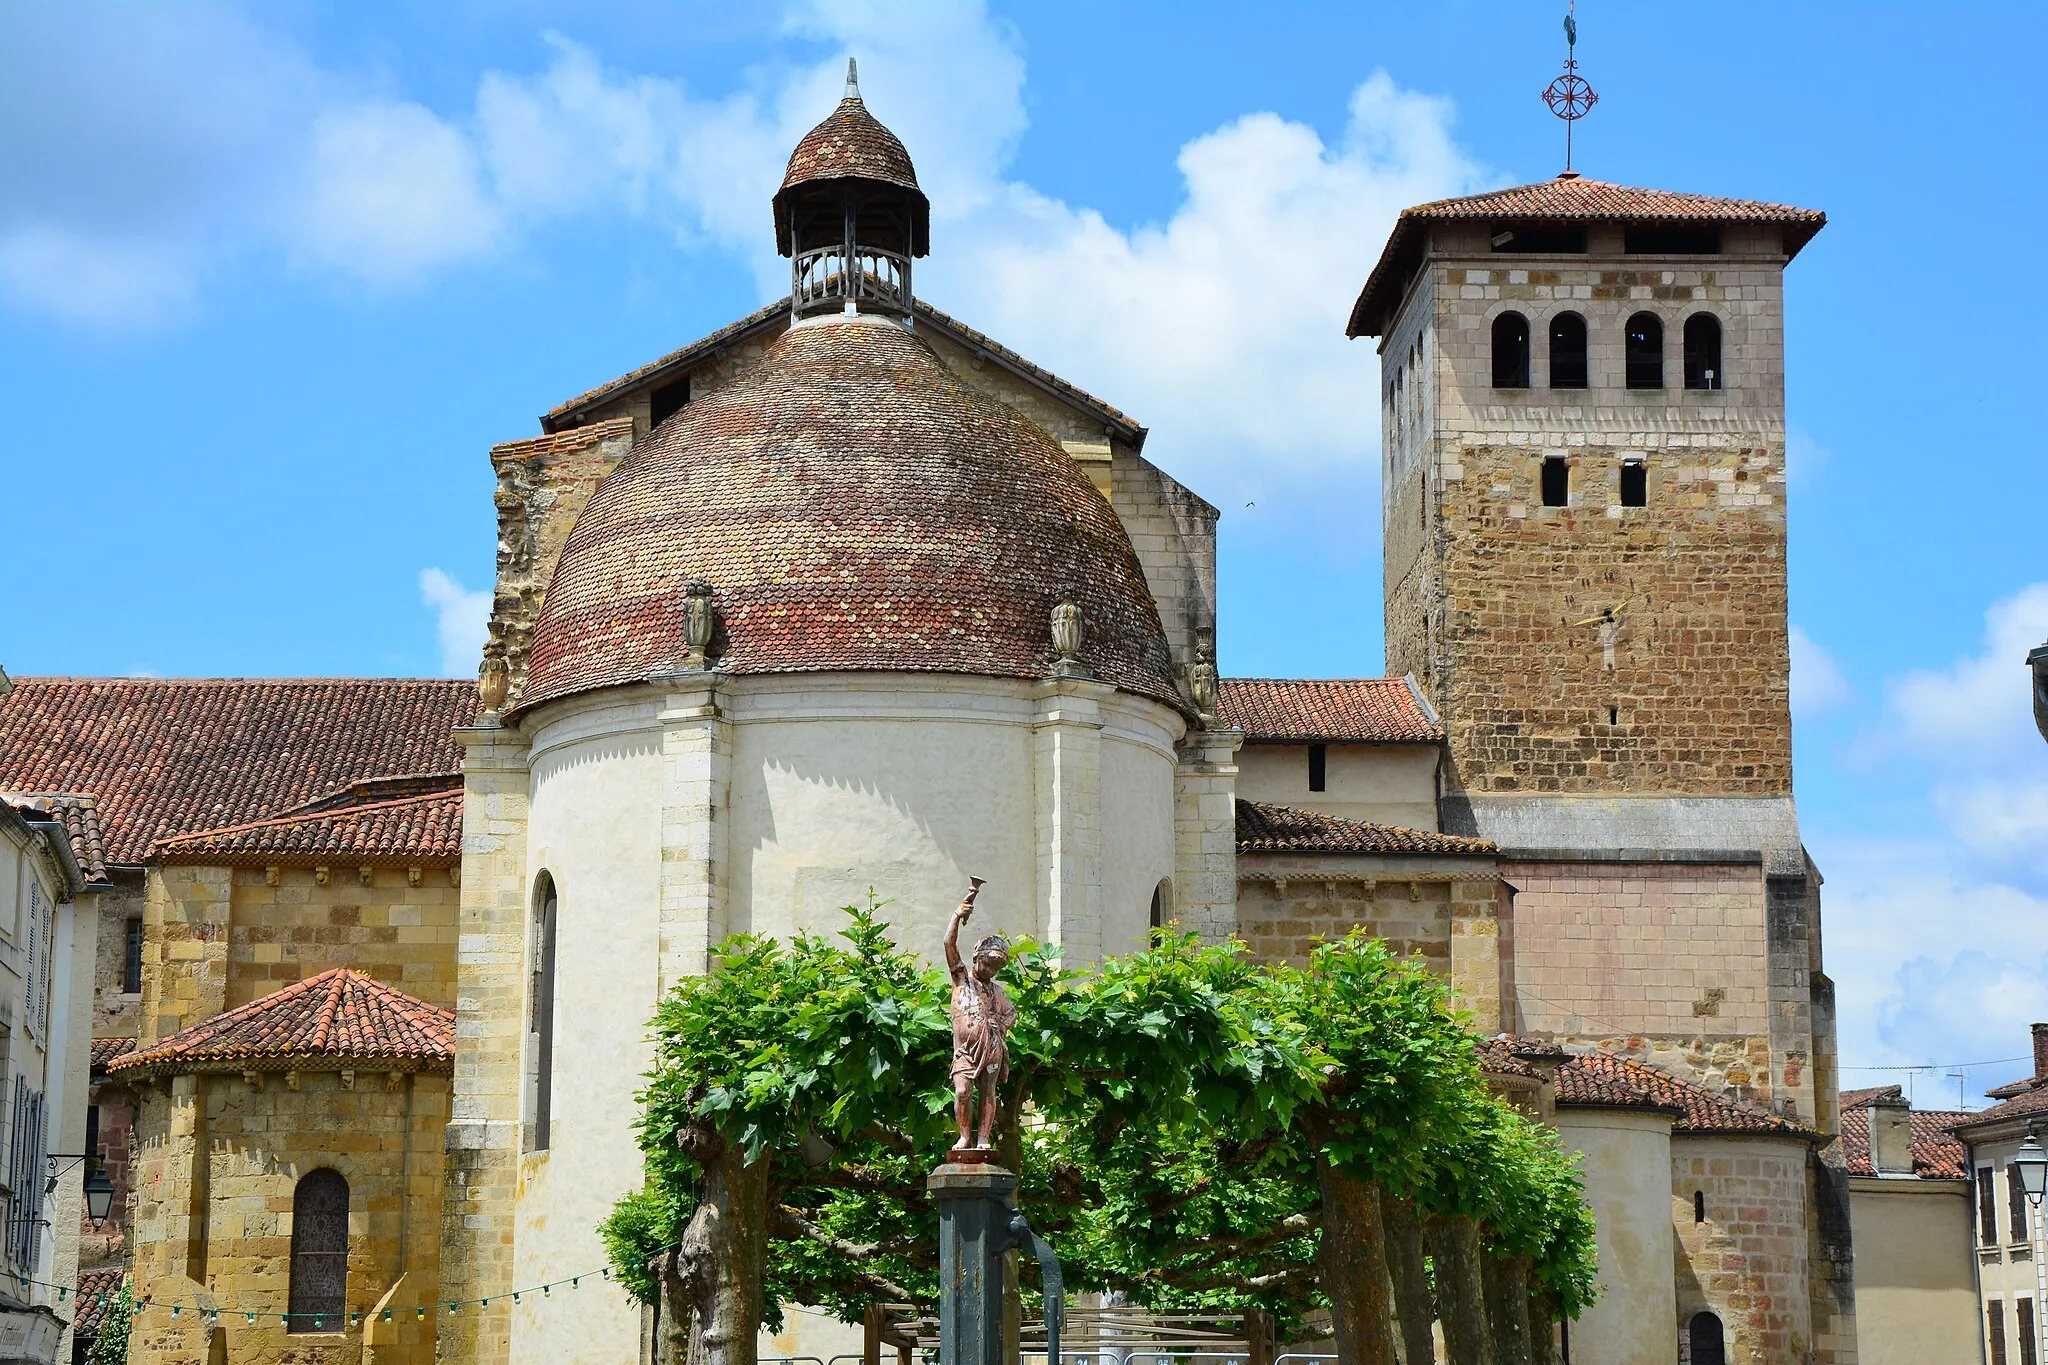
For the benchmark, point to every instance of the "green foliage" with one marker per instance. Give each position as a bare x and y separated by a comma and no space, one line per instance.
110,1347
1171,1107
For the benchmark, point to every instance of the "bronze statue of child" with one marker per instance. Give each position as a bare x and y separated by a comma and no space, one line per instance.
982,1015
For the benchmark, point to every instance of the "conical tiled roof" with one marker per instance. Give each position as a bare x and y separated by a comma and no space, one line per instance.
852,506
337,1020
852,144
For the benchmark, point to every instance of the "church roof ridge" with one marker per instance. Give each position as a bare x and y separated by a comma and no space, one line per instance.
1384,710
340,1016
422,827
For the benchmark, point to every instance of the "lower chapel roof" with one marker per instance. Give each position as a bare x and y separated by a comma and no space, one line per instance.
1605,1080
426,828
164,757
334,1021
1334,710
1264,828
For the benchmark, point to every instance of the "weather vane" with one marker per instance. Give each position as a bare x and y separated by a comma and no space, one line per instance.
1569,96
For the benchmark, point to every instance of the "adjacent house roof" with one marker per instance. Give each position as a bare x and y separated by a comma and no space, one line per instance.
1571,199
334,1021
426,828
96,1290
105,1050
1332,710
852,505
2029,1103
1604,1080
1937,1155
80,816
775,318
1263,828
164,757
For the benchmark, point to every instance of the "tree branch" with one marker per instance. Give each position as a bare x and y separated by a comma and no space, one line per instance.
793,1224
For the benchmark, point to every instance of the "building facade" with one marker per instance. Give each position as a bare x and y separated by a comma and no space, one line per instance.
848,595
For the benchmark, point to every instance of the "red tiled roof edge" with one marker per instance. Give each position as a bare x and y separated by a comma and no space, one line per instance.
1561,199
424,829
105,1050
1329,710
96,1289
1265,828
1937,1154
1606,1080
79,814
339,1020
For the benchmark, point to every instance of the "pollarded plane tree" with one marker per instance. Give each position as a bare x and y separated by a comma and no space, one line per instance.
1196,1131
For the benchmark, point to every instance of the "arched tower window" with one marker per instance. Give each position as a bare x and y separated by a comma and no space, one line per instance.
1699,1206
1643,352
1703,351
1511,351
1567,351
319,1283
541,1019
1709,1347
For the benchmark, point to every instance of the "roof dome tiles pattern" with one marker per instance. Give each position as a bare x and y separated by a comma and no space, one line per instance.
853,507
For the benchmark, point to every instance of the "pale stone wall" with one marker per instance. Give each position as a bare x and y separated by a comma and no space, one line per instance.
117,1013
1627,1167
1445,910
219,1160
1382,784
1747,1261
1205,834
1916,1289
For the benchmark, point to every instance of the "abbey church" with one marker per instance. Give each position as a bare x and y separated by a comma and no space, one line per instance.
846,595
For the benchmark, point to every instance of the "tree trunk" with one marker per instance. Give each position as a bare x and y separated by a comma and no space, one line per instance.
1403,1231
1507,1308
1461,1291
1542,1326
714,1282
1352,1263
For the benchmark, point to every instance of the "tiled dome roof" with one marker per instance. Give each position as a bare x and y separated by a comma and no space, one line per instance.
852,144
852,506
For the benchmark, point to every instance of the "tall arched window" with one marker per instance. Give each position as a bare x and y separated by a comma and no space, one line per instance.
1703,351
1709,1347
1644,352
542,1021
1511,351
1567,351
319,1286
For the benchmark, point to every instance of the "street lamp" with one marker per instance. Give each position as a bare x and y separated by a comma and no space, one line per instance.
2031,1161
99,1190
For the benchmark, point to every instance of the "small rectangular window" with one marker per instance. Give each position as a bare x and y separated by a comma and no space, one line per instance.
1994,1318
1635,484
1536,239
131,958
2023,1312
92,1131
1987,1208
1557,481
2016,1205
1317,774
1672,239
668,400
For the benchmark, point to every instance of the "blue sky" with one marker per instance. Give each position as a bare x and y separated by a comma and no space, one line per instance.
273,278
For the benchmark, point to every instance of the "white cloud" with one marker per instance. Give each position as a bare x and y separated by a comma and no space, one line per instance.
464,621
1817,682
394,192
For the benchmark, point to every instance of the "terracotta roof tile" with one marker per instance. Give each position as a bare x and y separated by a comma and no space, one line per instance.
775,317
104,1050
167,756
1342,710
1263,828
80,816
335,1018
852,506
2030,1102
96,1290
1603,1080
1937,1155
426,828
852,144
1575,200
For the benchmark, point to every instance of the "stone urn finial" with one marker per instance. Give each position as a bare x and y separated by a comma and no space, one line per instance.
493,683
700,620
1068,634
1202,675
2037,660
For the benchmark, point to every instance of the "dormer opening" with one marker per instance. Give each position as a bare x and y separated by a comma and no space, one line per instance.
1539,239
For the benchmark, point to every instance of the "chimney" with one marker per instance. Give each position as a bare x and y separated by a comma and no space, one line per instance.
2041,1050
1891,1134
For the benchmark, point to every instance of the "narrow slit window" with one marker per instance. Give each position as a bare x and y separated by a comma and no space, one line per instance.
1699,1206
131,958
1318,773
1557,481
543,1023
1644,351
1635,484
1511,351
1568,351
1703,351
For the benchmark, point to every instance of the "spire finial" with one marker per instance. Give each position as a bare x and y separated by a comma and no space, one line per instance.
852,80
1569,96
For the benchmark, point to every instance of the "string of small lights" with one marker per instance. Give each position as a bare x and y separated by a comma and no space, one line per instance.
214,1313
